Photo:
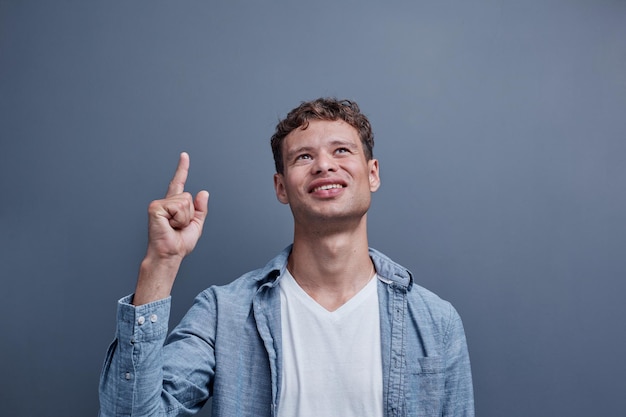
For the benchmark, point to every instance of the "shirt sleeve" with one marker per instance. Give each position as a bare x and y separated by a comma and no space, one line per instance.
132,373
459,392
147,374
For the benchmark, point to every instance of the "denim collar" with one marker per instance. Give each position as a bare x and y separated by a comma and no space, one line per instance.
387,270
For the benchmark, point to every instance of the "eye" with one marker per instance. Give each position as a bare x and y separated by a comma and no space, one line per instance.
303,156
342,150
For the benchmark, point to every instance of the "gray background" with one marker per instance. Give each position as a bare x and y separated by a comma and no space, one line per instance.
500,130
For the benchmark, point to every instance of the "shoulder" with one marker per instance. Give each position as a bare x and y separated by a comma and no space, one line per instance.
428,306
422,303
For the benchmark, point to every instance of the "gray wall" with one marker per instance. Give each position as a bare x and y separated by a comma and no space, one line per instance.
500,131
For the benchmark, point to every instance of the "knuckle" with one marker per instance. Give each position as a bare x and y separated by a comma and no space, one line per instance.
154,205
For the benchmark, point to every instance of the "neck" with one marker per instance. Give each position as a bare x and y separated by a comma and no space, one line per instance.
331,267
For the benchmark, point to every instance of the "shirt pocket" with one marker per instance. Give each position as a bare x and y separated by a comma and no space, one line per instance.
424,390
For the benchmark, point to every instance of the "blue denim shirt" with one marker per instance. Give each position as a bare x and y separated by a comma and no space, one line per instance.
228,347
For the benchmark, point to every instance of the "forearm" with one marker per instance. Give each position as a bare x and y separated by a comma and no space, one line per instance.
146,375
132,378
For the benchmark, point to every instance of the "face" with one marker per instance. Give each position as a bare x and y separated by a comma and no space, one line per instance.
326,175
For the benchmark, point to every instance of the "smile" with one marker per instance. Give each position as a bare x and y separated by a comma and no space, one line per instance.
327,187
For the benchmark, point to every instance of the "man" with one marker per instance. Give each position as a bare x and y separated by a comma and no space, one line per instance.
329,327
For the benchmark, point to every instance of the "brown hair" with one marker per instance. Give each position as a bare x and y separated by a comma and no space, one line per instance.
329,109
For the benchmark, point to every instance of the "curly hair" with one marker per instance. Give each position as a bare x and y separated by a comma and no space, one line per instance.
330,109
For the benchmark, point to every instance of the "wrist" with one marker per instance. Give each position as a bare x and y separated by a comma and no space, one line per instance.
156,278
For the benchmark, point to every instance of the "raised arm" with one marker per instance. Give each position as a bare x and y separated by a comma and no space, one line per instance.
132,378
174,227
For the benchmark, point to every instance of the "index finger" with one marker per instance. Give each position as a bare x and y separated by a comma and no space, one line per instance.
177,185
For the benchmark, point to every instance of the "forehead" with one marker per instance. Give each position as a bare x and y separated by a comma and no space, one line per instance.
320,132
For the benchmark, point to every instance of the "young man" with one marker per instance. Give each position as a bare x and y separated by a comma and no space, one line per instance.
329,327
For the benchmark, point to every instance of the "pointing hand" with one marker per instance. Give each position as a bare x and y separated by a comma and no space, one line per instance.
174,227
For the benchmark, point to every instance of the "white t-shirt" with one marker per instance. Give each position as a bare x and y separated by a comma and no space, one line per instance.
332,364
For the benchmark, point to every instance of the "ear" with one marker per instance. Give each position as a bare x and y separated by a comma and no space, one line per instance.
279,187
374,176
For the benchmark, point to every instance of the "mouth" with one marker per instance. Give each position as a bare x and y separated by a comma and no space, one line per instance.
326,187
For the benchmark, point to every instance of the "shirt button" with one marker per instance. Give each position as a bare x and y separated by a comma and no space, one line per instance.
153,318
141,320
127,376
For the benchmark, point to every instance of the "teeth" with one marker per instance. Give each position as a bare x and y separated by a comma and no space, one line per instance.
328,187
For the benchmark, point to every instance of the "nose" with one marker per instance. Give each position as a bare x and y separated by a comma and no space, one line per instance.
324,163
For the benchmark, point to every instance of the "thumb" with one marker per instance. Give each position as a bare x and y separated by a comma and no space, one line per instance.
201,205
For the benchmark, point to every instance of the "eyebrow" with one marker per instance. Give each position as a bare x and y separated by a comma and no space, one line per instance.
344,143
